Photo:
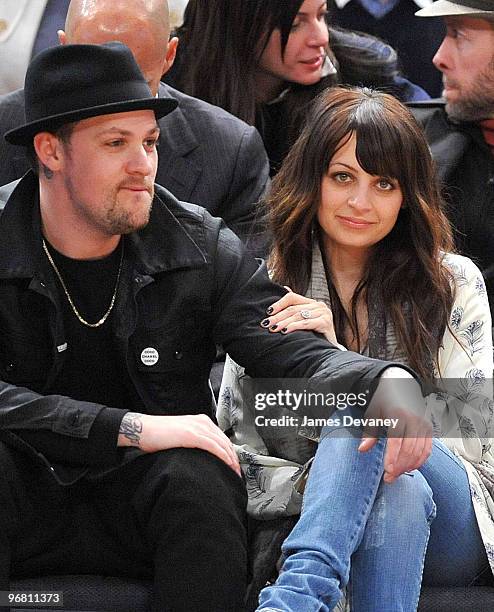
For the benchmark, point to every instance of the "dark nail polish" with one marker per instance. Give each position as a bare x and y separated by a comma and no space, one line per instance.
265,323
273,327
270,310
284,330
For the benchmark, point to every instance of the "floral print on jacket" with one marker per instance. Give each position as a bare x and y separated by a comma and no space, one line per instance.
465,411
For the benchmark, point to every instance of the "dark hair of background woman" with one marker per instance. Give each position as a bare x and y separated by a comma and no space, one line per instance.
221,42
405,267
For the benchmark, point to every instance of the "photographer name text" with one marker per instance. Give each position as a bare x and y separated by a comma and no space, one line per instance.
345,421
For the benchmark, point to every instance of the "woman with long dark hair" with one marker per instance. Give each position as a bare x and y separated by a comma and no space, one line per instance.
264,60
362,242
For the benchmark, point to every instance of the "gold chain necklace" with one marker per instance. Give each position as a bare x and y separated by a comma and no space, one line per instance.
71,302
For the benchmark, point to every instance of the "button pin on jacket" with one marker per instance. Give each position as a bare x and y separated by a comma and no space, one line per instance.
149,356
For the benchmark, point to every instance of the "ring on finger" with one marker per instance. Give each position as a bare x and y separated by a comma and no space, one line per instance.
305,314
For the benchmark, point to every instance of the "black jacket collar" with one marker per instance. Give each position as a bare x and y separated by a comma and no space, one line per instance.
173,238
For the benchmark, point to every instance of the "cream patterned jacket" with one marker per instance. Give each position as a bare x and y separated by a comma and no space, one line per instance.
463,416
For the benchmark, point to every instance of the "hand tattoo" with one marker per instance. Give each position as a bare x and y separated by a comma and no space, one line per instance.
131,427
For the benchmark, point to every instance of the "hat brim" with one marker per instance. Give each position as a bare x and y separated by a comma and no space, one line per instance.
443,8
24,134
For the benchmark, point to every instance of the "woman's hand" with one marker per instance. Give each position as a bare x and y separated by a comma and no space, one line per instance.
296,312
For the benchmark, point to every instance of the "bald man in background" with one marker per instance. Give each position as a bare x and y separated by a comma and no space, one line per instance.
206,155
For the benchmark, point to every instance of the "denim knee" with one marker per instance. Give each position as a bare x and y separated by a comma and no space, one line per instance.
408,503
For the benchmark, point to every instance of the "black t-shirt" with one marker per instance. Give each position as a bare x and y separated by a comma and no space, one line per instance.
94,366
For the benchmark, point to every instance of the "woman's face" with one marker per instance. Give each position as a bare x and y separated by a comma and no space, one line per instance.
305,51
357,209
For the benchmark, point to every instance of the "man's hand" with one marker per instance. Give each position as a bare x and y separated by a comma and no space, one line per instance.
410,443
153,433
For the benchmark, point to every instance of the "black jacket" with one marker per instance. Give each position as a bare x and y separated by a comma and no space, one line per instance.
186,285
465,167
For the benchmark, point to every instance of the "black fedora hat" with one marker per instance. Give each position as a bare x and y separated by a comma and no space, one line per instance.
73,82
450,8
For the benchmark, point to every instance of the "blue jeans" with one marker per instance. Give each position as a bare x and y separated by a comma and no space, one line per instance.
382,540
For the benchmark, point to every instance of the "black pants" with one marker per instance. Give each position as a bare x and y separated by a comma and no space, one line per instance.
177,516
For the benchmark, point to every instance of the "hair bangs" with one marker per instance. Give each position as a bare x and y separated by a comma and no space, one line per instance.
271,15
380,147
286,12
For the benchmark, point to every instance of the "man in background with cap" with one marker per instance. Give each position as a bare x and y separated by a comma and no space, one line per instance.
460,129
113,295
208,156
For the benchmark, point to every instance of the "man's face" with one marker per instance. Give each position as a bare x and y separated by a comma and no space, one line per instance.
466,59
108,171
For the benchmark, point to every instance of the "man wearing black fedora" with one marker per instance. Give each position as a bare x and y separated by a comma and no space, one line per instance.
460,128
209,157
113,296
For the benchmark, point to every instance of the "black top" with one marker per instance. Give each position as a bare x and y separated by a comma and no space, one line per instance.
93,370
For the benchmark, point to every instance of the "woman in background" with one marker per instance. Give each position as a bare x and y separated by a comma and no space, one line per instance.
264,60
361,240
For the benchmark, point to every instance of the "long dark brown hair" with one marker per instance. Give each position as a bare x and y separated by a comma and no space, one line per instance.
405,267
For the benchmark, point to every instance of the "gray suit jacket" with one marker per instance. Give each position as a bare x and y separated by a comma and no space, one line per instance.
206,156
